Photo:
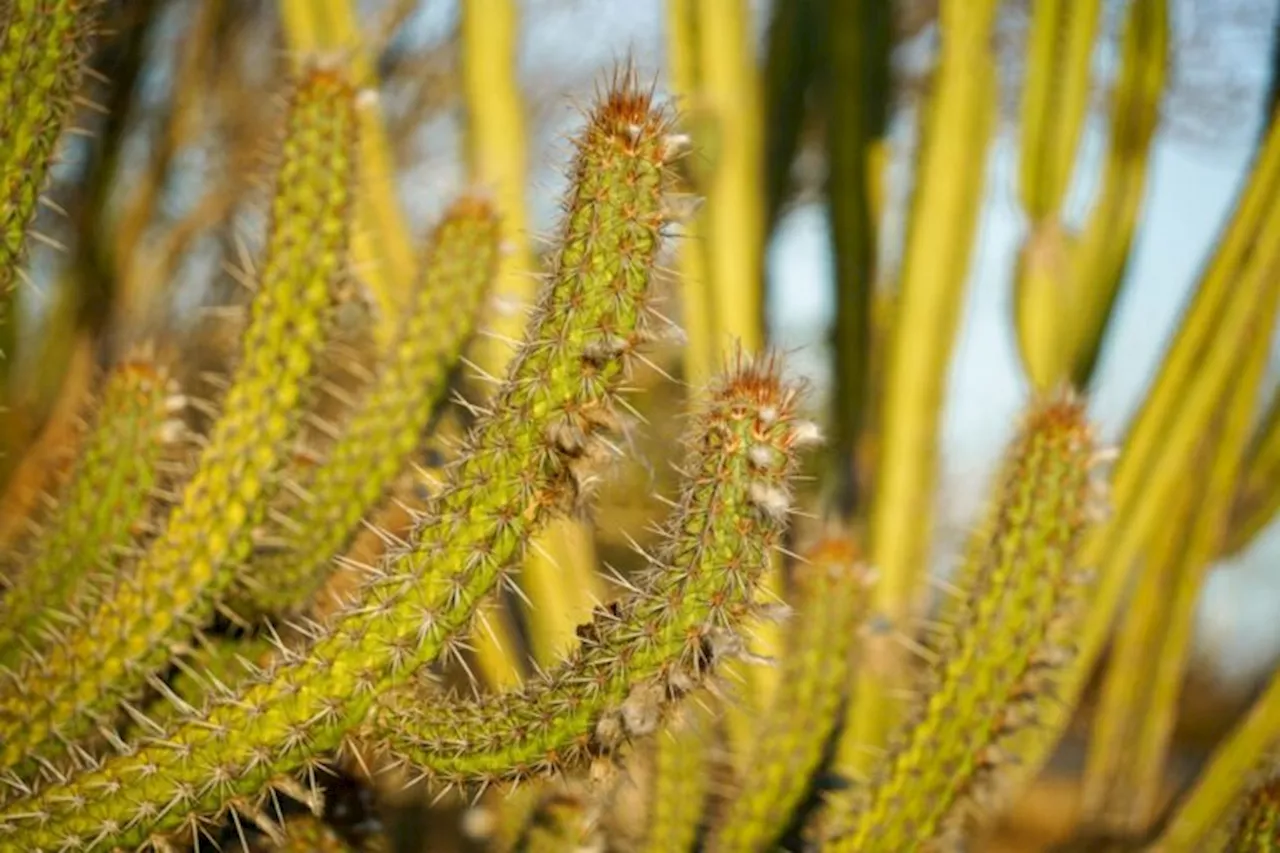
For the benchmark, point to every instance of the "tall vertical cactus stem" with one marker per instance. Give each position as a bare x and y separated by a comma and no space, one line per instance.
530,454
1055,100
641,653
973,694
99,507
832,599
44,45
388,424
108,653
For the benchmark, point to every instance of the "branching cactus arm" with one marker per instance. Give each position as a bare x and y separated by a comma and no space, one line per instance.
526,459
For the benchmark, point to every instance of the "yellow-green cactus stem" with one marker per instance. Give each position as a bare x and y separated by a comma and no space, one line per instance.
44,45
530,454
973,697
108,653
390,419
832,589
641,653
1055,100
944,215
99,509
1103,250
682,775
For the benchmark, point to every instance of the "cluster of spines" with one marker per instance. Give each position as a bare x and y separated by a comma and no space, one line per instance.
390,419
44,48
643,652
530,455
96,513
831,596
1001,643
106,656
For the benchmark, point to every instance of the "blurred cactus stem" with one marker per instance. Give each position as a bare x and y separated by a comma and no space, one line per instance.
1066,284
383,252
944,213
860,37
1124,772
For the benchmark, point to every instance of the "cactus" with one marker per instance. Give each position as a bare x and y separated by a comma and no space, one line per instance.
200,635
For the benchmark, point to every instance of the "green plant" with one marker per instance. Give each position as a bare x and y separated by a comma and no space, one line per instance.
196,638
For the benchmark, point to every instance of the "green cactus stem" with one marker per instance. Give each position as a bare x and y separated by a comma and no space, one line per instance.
391,418
97,512
996,645
51,699
638,654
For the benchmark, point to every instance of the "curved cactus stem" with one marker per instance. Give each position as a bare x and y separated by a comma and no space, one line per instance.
641,653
